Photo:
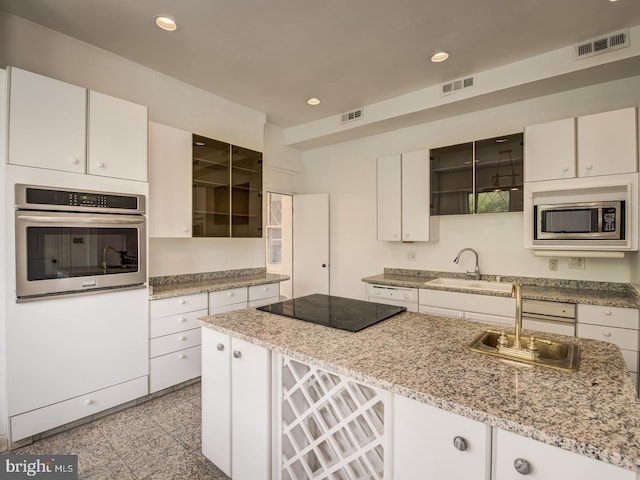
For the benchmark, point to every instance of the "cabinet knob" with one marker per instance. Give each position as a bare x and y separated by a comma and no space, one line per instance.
237,354
460,443
75,161
182,319
182,356
182,338
88,401
182,301
230,294
100,164
607,313
220,347
565,169
589,167
607,333
185,229
522,466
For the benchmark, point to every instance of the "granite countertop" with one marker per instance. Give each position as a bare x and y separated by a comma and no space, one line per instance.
594,412
553,290
189,284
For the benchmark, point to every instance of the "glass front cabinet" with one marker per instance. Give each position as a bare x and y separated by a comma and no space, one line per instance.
227,189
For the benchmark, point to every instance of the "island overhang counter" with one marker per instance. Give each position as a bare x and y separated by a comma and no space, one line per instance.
593,412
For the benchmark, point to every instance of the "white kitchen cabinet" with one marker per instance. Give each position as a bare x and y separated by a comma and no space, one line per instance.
237,298
170,189
117,138
174,340
550,150
403,197
430,443
592,145
234,372
47,122
608,143
514,454
620,326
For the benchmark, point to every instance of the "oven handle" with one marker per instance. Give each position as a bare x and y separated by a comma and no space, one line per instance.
62,219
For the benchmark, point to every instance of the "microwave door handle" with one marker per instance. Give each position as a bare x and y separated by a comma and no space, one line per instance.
63,219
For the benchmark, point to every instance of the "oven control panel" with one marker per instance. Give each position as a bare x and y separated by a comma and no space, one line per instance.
43,198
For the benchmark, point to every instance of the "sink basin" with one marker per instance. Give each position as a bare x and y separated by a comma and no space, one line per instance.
464,283
558,355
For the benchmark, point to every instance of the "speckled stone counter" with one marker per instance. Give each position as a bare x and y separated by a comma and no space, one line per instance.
553,290
593,412
188,284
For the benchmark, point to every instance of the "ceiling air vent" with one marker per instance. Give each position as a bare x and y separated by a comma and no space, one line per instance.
602,44
352,116
456,85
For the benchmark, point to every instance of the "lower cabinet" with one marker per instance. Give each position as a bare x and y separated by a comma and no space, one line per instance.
430,443
236,439
174,340
470,306
238,298
516,456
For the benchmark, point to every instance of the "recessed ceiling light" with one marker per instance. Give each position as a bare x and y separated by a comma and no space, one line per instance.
166,23
439,57
313,101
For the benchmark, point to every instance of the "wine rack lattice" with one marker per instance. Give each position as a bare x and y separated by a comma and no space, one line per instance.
333,427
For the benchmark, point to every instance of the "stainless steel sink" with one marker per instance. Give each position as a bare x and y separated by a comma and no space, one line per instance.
469,284
558,355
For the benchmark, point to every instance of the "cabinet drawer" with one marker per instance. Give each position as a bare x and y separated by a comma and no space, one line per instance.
610,316
173,368
52,416
263,301
624,338
175,323
174,342
175,305
258,292
227,297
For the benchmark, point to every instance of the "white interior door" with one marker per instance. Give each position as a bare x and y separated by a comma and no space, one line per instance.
310,244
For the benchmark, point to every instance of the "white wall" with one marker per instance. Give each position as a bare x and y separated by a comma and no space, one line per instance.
347,171
170,101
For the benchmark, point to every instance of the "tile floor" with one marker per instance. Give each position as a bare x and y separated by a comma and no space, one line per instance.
156,440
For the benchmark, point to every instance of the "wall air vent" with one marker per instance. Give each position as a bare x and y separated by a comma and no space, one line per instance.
457,85
352,116
602,44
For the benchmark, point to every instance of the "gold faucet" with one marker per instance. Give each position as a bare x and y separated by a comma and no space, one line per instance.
516,291
104,257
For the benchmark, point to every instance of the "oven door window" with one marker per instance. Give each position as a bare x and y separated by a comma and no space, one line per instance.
66,252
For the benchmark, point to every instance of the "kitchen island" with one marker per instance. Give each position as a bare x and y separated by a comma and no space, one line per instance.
593,412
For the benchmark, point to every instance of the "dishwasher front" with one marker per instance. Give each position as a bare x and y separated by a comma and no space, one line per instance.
399,296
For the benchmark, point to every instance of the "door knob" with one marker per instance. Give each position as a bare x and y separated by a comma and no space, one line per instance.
324,265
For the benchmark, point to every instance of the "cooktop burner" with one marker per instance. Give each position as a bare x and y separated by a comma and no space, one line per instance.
336,312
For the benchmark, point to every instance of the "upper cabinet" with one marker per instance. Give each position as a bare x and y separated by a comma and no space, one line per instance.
117,141
227,190
484,176
47,122
403,197
599,144
169,181
53,126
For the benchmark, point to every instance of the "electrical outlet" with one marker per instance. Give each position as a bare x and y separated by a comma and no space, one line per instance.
411,256
553,264
577,263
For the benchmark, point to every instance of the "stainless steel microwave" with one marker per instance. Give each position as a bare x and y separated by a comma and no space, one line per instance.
589,221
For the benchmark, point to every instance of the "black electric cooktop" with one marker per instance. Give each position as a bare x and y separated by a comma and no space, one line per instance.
336,312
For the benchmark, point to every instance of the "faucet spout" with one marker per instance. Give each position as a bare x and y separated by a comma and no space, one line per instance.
476,272
104,257
516,291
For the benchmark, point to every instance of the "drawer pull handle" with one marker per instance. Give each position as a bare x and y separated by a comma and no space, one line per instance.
522,466
220,347
182,319
460,443
182,338
182,356
237,354
607,313
607,334
88,401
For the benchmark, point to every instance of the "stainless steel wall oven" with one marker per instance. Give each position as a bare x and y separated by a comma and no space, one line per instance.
71,241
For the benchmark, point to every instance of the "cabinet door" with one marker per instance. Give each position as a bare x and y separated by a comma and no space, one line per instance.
246,192
546,462
216,398
415,196
47,122
117,138
607,143
550,150
389,182
169,181
430,443
251,412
